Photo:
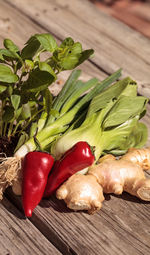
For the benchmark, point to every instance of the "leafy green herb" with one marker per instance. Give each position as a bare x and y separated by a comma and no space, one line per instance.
24,81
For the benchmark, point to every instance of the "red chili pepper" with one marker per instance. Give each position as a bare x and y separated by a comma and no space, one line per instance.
36,168
75,159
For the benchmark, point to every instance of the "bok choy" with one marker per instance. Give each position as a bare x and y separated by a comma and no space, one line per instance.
112,122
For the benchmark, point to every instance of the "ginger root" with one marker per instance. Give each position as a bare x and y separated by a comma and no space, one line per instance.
139,156
111,175
81,192
116,176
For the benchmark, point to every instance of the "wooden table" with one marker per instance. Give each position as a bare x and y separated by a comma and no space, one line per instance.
122,226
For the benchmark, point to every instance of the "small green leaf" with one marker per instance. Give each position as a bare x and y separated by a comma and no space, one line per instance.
2,88
69,57
37,44
15,100
47,41
26,111
9,45
45,67
8,114
85,55
18,112
31,49
9,90
38,80
6,74
7,53
67,42
29,64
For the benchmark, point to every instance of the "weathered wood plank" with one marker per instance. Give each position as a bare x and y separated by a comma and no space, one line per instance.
115,44
19,236
110,231
19,28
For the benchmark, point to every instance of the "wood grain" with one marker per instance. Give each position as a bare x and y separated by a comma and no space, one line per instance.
115,44
19,236
121,227
11,24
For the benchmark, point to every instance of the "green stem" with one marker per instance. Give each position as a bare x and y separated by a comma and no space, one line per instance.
5,129
31,119
10,129
15,129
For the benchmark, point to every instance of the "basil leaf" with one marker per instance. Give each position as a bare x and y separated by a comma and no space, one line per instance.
7,53
45,67
85,55
2,88
15,100
31,49
47,41
37,43
73,54
18,112
29,64
68,59
6,74
26,111
9,45
67,42
38,80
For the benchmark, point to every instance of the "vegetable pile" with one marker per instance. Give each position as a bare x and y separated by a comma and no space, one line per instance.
54,137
